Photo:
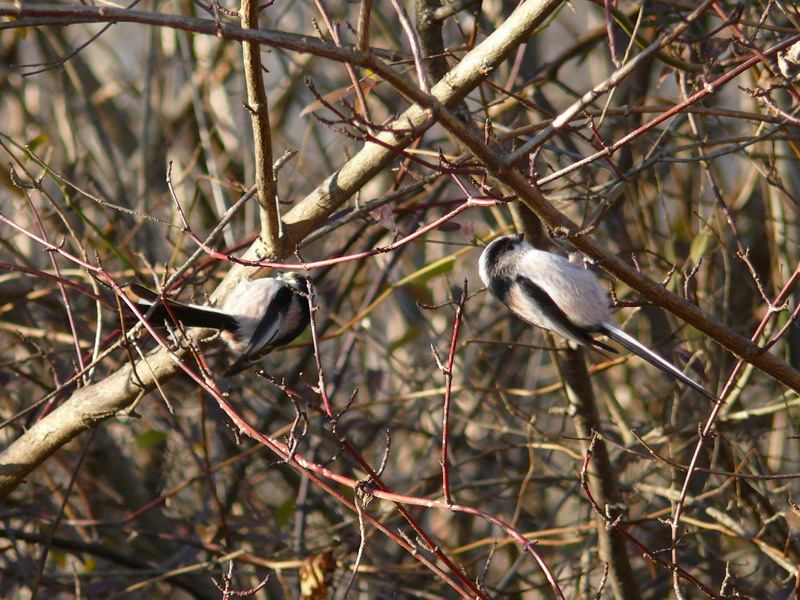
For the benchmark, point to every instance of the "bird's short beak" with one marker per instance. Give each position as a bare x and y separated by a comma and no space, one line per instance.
519,237
293,279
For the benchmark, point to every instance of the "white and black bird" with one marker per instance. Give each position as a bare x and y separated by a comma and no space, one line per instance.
258,315
549,291
789,62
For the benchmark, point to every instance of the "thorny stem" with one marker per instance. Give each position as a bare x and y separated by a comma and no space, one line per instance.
448,378
321,387
712,418
373,475
656,558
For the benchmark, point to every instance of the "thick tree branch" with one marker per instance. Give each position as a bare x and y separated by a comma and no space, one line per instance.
601,473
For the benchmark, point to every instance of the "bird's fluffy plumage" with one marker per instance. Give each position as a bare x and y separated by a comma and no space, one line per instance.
545,289
270,313
257,316
550,291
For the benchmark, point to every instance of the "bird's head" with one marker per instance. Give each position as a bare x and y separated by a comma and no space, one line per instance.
294,280
498,252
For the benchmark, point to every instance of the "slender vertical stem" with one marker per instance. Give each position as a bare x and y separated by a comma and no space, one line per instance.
258,107
448,394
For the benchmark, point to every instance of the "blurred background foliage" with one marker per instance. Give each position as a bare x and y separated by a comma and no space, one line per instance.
706,202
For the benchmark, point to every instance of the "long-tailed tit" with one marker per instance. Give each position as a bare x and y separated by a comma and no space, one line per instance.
789,62
257,316
549,291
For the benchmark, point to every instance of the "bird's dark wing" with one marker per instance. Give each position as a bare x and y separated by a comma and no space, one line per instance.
296,319
270,324
533,304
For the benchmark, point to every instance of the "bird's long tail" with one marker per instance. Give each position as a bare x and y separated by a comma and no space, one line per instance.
643,352
190,315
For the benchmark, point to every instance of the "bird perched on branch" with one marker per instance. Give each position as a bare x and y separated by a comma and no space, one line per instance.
549,291
257,316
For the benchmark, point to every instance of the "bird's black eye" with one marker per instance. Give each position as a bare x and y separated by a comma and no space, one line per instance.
497,249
